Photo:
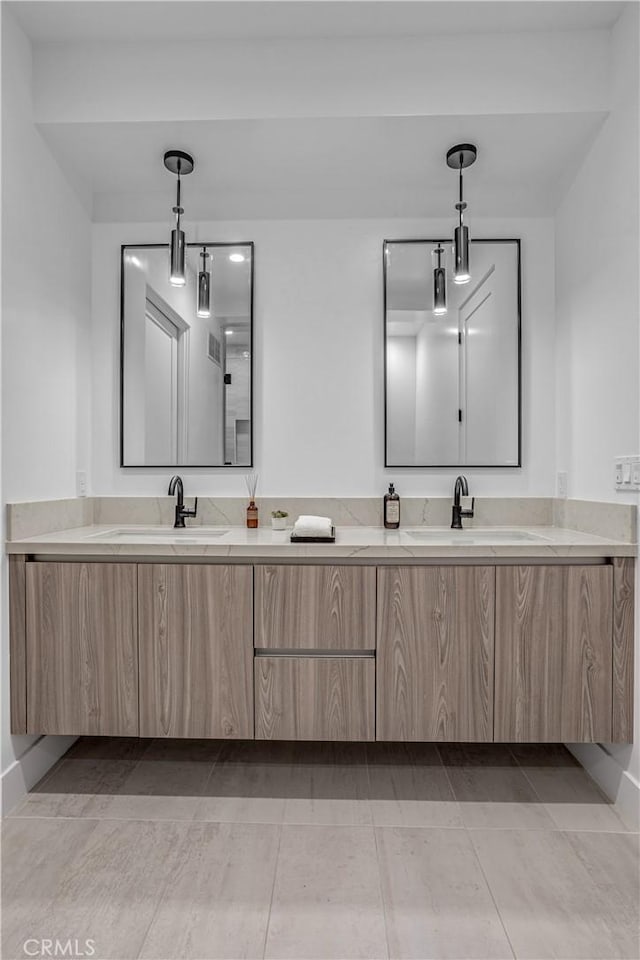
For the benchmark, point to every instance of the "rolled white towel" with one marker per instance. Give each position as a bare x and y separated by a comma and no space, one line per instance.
310,526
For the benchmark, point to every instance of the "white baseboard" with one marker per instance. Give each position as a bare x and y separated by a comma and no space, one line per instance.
618,784
25,772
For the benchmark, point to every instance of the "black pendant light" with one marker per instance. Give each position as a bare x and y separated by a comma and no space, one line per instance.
180,164
204,286
459,157
439,284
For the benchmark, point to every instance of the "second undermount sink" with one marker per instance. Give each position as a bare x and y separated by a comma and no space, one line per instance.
498,535
164,533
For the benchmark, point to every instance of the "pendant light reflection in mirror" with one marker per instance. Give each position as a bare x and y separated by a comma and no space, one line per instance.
204,286
439,283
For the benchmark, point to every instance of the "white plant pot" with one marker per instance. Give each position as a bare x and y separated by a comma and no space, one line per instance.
279,523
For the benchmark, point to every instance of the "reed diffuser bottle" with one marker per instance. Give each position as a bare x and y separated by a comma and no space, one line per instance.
252,510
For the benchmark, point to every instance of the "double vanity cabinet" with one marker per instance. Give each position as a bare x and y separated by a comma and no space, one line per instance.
457,650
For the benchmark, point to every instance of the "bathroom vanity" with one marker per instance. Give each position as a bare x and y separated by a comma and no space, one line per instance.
403,635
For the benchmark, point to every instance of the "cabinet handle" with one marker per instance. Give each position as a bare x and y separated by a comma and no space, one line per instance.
316,654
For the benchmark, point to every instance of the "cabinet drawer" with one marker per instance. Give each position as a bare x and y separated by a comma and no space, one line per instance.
315,698
315,607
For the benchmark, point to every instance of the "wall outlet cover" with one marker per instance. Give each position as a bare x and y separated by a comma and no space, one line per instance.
81,483
627,473
562,484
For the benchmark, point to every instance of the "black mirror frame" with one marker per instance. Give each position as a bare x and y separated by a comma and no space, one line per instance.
453,466
185,466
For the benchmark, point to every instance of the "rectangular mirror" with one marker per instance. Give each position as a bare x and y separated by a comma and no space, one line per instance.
452,379
186,379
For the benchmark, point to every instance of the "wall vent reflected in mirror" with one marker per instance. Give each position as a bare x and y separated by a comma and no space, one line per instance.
214,349
186,379
452,362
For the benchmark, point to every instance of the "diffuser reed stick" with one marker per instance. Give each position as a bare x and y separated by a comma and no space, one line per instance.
251,480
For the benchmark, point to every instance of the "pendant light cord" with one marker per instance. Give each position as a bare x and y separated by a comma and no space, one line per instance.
178,209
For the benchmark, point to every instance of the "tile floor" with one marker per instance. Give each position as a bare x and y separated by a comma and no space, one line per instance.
202,849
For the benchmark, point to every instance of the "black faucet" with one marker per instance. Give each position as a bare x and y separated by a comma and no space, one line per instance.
457,513
175,486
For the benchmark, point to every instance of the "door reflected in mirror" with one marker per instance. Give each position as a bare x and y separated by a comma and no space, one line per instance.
186,358
452,359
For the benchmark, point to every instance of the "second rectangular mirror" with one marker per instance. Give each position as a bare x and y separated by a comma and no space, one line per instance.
186,373
452,356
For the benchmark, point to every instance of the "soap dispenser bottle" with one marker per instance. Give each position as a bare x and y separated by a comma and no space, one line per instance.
391,509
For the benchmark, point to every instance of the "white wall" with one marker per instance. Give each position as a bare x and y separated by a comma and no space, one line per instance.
46,304
597,258
437,393
401,399
318,361
597,292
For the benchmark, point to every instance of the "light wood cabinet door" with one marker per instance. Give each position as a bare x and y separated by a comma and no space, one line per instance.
315,698
196,650
554,653
435,653
82,649
315,607
624,576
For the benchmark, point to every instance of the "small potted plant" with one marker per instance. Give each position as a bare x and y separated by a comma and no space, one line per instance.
279,519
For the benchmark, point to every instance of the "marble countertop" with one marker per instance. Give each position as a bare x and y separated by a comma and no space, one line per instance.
352,542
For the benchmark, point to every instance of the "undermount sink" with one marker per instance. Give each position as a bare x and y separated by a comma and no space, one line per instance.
498,535
164,533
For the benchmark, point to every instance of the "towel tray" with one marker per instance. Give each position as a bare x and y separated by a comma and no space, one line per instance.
331,539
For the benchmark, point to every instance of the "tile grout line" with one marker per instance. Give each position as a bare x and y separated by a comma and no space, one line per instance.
162,892
204,793
43,782
273,889
57,765
315,823
450,782
584,869
382,900
491,894
548,803
366,768
523,771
